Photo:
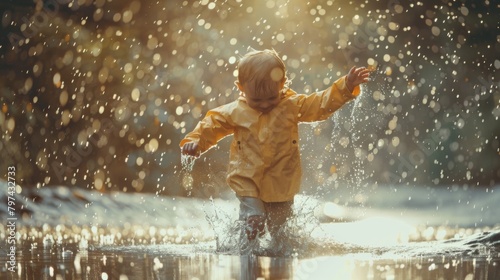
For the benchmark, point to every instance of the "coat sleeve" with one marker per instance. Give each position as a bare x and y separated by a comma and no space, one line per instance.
321,105
212,128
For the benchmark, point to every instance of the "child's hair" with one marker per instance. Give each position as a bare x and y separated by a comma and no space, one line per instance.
262,71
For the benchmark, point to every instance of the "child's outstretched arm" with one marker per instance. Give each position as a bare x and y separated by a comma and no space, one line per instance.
215,126
357,76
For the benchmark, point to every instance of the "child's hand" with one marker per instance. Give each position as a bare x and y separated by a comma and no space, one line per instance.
357,76
191,149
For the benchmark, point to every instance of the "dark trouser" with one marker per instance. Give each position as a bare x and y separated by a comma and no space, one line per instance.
274,214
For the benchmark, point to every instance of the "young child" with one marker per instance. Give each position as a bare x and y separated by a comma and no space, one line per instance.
264,166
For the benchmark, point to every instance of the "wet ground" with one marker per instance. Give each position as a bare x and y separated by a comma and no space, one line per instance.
64,233
76,253
115,265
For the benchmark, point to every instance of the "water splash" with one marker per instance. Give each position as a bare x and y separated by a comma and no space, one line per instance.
187,163
293,239
227,231
356,138
365,116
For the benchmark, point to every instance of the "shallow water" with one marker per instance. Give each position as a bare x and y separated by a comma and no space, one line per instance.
65,233
182,262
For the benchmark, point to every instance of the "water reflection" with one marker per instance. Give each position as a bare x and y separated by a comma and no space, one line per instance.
140,265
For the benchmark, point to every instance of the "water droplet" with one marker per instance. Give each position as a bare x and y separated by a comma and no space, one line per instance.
57,80
135,94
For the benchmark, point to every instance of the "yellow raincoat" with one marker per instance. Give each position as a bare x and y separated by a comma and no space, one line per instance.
264,157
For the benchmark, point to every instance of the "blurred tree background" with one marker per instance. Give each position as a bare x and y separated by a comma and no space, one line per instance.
98,94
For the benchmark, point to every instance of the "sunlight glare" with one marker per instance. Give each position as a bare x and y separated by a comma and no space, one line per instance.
374,231
324,268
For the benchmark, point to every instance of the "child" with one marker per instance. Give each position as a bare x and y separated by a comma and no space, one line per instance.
264,165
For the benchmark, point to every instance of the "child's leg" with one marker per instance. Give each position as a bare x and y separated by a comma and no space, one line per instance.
253,214
277,215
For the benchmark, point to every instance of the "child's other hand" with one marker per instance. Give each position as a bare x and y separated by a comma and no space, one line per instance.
357,76
191,149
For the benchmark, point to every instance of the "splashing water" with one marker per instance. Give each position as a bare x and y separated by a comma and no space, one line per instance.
187,162
365,118
227,231
293,239
356,134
